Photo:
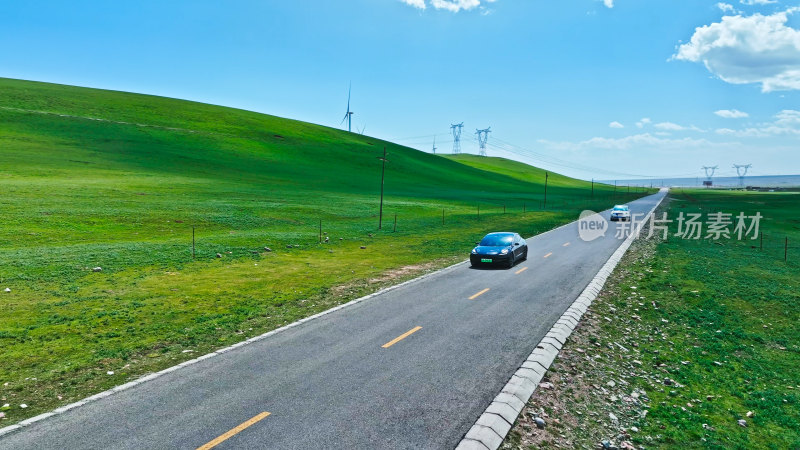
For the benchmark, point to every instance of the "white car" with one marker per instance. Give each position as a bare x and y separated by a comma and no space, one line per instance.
620,212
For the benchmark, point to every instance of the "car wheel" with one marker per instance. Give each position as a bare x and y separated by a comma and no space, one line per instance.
511,261
525,255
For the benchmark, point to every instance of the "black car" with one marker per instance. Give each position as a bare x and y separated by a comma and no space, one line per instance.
499,248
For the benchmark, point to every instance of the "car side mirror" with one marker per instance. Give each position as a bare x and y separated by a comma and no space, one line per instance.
516,243
477,243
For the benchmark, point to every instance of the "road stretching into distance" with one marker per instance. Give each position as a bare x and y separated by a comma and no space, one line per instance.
413,367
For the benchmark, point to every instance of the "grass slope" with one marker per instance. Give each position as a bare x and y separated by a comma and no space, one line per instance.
118,180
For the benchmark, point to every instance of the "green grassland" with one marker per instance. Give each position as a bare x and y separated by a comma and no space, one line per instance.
92,178
732,312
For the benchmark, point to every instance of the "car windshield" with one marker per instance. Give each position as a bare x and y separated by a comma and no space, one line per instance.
620,208
497,240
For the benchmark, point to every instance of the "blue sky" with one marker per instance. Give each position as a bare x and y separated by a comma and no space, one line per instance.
590,88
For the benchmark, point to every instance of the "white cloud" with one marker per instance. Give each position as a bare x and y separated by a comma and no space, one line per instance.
636,141
450,5
415,3
786,123
643,122
757,2
669,126
731,114
616,124
752,49
608,3
726,7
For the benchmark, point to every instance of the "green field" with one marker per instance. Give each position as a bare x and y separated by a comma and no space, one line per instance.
703,331
94,178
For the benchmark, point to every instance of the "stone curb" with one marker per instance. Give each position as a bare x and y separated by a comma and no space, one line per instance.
483,435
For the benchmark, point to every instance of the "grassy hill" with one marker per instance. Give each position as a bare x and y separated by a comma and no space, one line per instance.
94,178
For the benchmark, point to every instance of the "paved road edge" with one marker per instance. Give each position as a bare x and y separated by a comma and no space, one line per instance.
493,425
152,376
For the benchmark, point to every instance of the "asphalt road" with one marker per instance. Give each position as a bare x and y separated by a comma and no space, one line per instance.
336,382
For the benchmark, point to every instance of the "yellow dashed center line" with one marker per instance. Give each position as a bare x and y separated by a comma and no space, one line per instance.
566,244
233,432
548,255
521,270
401,337
479,294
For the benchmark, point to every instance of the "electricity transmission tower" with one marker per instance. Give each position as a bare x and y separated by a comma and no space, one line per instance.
456,129
483,136
709,173
741,170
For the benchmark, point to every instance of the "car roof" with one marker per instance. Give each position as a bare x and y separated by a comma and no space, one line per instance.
501,233
620,206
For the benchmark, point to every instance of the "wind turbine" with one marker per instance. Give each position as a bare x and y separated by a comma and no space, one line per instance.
434,144
348,116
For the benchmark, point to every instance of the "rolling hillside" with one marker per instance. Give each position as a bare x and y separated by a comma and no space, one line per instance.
118,181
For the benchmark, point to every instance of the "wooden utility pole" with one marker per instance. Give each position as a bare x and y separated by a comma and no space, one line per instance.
546,176
383,173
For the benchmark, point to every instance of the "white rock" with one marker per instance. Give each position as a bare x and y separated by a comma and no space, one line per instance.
7,289
23,406
110,372
97,269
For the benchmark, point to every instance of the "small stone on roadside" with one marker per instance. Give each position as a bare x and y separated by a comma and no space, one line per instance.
749,414
2,415
363,247
267,249
97,269
23,406
110,372
7,289
611,384
546,385
219,255
540,423
742,423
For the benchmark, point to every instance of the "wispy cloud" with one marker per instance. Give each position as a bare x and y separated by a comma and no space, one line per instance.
643,122
749,49
757,2
616,124
451,5
731,114
786,123
608,3
634,142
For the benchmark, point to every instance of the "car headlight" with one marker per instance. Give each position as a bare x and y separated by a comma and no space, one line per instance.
474,250
504,251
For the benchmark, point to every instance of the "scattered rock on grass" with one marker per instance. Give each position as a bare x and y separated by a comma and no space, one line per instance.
363,247
540,423
97,269
267,249
219,255
742,423
7,289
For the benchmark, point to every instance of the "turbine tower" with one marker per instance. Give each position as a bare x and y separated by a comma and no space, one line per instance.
348,116
456,129
741,170
709,173
434,145
483,136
